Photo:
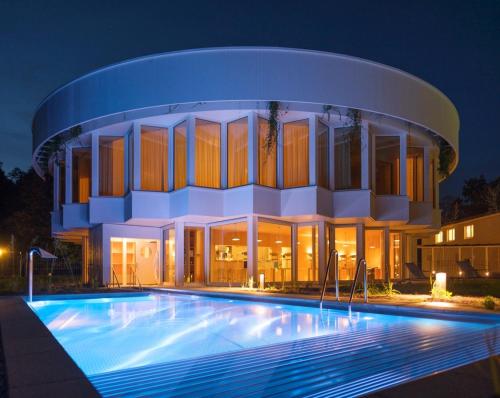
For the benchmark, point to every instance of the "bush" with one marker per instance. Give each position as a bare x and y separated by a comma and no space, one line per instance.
489,303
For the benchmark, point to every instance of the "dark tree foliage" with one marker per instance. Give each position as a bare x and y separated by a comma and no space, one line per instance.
479,196
25,205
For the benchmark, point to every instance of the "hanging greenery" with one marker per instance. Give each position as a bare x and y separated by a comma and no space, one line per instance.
272,134
56,144
446,158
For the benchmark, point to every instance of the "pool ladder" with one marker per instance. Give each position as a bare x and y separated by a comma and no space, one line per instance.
361,261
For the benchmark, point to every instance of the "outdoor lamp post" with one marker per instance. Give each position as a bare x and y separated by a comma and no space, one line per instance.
43,254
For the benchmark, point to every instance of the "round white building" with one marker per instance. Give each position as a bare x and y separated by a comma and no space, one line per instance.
215,166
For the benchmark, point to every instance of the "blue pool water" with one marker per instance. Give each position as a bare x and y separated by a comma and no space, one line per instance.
164,332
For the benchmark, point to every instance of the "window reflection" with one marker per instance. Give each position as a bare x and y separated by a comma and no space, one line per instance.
154,158
387,165
347,158
237,153
415,174
111,166
322,156
374,253
296,154
207,153
345,244
307,253
82,174
180,155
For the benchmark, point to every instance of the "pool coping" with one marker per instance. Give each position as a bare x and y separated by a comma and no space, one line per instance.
36,364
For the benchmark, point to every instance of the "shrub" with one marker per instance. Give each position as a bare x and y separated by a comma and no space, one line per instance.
489,303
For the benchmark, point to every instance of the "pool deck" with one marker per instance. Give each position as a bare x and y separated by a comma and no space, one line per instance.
37,365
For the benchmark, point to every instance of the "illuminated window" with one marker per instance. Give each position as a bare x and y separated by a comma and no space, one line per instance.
450,235
307,253
154,154
228,253
296,154
415,174
237,153
169,258
387,165
267,156
345,244
347,158
81,175
111,166
374,253
207,153
438,238
469,231
274,247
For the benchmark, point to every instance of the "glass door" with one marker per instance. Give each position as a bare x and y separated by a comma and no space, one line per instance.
194,267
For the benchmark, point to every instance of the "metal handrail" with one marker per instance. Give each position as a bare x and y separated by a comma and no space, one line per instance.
323,290
136,278
365,281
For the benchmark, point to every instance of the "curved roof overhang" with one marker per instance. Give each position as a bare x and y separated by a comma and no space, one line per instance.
242,74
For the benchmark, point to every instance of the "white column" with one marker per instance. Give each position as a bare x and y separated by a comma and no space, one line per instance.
402,164
365,156
252,250
312,150
69,181
170,158
179,254
321,251
56,186
279,156
223,155
191,156
331,157
253,148
137,157
95,165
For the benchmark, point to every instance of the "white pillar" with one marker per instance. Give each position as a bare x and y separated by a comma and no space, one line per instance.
312,150
253,149
402,164
179,254
191,156
365,157
95,165
137,157
252,250
223,155
69,181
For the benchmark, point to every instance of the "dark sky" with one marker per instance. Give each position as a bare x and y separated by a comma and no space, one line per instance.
453,45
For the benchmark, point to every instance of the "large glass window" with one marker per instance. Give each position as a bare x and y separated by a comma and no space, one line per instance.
180,155
207,150
228,253
387,165
111,166
374,253
296,154
135,261
81,174
274,244
347,158
154,158
237,153
415,174
131,161
322,156
194,264
267,156
345,244
395,255
169,259
307,253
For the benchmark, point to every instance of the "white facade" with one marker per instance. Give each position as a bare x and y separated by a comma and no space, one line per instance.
126,234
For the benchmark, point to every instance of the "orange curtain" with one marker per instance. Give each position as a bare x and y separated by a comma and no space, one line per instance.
111,166
322,158
154,155
415,174
180,155
207,152
237,153
267,158
296,154
81,174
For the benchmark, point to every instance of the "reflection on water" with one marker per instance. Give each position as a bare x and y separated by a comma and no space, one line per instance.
102,335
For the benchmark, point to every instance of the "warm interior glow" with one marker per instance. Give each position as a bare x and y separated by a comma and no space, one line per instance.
274,251
111,166
180,155
228,253
237,153
307,253
194,264
387,171
347,158
81,174
374,253
345,244
207,153
296,154
415,174
154,158
169,258
267,157
322,155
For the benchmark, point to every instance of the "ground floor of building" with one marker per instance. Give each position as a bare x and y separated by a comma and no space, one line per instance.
251,250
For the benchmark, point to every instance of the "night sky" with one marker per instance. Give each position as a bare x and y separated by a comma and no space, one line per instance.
453,45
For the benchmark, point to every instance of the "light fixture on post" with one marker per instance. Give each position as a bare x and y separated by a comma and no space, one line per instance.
440,282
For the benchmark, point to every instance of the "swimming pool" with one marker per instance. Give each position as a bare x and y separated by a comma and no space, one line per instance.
178,344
